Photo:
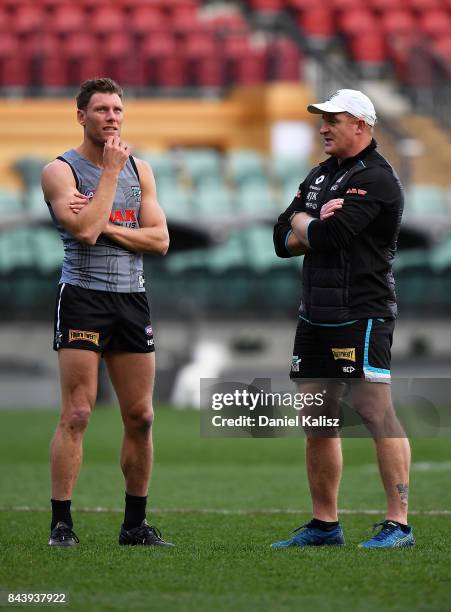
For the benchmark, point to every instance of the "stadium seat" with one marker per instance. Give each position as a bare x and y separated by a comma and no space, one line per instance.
202,164
66,18
147,18
251,69
369,50
246,165
398,22
185,19
357,22
425,200
14,66
286,60
152,51
213,202
11,202
106,20
82,55
257,198
435,24
382,6
119,58
317,23
289,172
260,251
424,6
267,6
209,72
345,5
27,19
48,250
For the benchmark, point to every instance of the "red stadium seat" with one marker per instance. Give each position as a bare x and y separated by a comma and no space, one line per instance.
146,18
354,23
435,24
209,72
153,50
200,44
317,23
369,48
301,5
286,60
119,58
251,69
171,72
107,19
66,18
82,55
14,66
421,6
345,5
267,6
185,18
27,19
398,22
381,6
227,21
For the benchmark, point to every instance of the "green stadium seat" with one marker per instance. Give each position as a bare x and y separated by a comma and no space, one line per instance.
245,166
30,169
260,251
47,248
11,202
162,165
35,203
288,170
423,200
213,202
201,164
257,198
15,250
176,202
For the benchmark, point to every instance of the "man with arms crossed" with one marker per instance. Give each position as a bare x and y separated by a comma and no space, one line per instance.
104,204
345,218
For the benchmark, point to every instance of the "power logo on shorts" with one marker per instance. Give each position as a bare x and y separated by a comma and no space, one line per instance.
76,334
343,353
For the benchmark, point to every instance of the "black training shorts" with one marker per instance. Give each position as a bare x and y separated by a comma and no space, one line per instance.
102,320
358,349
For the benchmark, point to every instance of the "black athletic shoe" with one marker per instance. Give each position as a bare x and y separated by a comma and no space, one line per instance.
144,535
62,535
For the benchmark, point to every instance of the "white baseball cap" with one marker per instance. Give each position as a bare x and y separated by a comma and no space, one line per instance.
349,101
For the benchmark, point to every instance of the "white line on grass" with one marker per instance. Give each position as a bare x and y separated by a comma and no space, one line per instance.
223,511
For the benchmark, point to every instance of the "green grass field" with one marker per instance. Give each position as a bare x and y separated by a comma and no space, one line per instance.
222,501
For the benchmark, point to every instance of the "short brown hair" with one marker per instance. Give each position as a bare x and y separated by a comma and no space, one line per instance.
92,86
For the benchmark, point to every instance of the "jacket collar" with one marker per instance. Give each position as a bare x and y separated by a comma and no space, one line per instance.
332,162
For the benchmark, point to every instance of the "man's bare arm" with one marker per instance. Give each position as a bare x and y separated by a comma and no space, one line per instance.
152,236
58,185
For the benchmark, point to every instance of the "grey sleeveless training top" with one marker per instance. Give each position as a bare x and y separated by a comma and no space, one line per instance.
105,266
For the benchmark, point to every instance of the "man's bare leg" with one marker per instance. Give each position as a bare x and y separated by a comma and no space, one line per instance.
373,402
132,375
324,459
78,379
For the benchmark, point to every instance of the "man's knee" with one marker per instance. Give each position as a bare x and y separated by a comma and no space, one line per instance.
139,418
75,418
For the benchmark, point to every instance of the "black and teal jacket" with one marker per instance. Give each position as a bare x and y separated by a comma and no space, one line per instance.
347,271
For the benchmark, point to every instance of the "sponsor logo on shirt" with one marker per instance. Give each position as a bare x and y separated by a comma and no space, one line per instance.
348,369
320,179
343,353
123,216
149,330
76,334
356,191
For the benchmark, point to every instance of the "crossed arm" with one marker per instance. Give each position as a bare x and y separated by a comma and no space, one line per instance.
87,218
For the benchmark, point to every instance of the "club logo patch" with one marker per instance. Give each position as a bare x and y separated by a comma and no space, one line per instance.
136,192
295,361
149,330
343,353
89,193
76,334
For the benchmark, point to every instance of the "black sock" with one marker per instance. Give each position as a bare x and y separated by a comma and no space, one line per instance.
61,512
135,510
323,525
405,528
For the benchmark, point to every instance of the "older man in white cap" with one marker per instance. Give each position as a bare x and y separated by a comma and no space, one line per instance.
345,219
